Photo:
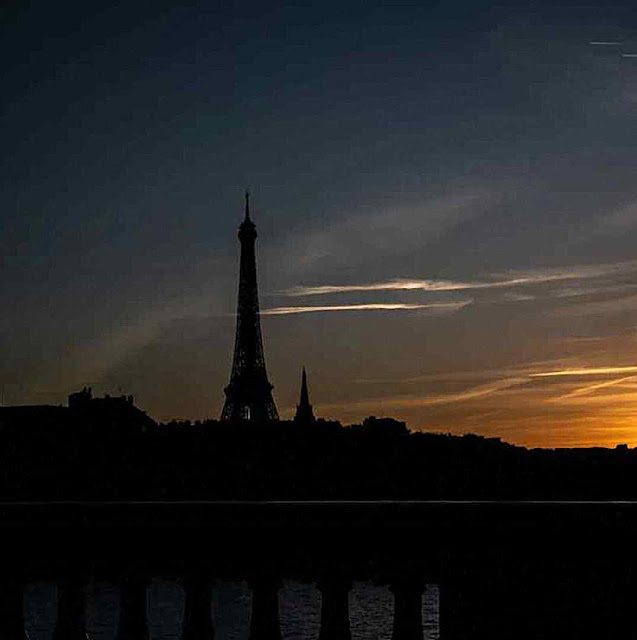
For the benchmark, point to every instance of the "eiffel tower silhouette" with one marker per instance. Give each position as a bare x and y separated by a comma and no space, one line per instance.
249,393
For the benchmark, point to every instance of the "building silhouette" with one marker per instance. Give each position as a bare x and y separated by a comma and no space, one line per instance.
84,408
304,413
249,393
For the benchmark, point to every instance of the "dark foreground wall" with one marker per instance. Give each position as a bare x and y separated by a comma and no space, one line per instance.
523,570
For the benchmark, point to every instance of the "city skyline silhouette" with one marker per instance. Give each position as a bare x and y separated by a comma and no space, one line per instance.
444,197
248,378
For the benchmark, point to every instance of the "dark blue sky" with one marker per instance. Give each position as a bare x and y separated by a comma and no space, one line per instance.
472,165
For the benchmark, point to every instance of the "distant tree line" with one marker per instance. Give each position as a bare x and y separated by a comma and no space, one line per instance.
120,454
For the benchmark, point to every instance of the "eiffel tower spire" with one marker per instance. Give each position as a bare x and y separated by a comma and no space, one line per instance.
249,394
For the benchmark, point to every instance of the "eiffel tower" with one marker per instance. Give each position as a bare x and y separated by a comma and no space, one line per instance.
249,394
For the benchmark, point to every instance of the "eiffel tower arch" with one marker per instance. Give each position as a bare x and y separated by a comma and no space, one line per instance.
249,393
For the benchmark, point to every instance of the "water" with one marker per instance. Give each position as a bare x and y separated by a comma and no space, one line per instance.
371,611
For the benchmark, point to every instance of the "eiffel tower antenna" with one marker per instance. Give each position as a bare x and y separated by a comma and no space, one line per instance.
249,393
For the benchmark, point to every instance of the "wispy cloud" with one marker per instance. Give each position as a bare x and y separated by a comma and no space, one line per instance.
593,387
618,220
588,371
432,399
384,228
577,291
512,296
440,307
472,393
390,285
603,307
512,279
514,371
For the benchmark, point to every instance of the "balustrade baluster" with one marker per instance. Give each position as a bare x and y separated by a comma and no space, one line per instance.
12,625
264,619
335,623
197,623
71,611
133,618
407,608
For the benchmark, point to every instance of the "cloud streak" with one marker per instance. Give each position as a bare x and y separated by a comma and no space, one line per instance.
440,307
472,393
433,399
589,371
432,285
593,387
386,228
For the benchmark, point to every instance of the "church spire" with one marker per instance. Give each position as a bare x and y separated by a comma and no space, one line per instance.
304,411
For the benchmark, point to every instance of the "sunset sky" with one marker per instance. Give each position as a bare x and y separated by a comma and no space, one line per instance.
446,201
